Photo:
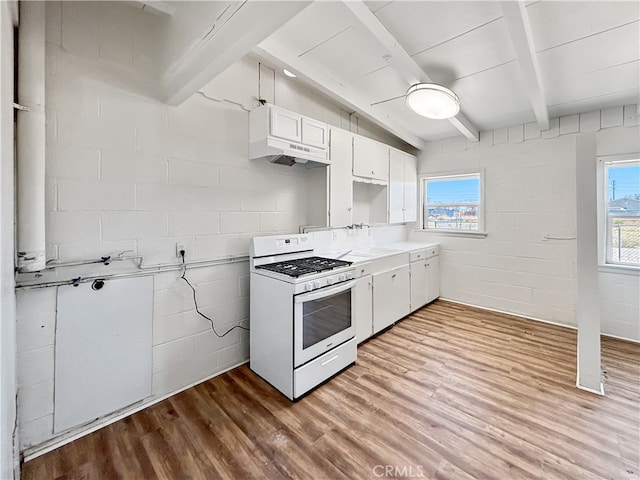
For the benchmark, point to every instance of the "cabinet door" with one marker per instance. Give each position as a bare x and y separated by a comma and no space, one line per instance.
403,180
418,277
433,278
391,296
410,188
362,294
285,124
370,159
396,187
340,184
314,133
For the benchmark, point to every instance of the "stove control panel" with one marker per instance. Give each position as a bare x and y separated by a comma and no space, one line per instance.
326,281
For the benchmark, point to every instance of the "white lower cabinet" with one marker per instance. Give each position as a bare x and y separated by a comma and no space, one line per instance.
390,287
425,277
391,297
363,298
418,274
433,278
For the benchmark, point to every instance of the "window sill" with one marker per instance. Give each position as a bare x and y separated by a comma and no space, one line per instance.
620,269
453,233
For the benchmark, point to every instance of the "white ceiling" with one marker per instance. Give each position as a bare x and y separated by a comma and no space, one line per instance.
569,57
510,62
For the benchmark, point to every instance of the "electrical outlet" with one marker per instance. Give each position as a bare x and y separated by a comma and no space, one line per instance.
180,247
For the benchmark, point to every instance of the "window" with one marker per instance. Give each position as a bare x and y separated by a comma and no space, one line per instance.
622,212
452,203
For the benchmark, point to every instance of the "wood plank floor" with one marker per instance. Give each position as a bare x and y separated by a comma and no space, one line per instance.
450,392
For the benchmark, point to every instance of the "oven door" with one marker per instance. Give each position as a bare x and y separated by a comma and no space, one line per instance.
322,320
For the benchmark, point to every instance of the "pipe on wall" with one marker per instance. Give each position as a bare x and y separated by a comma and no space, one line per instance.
30,164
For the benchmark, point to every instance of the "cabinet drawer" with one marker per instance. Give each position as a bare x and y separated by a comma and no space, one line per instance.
363,269
317,371
417,255
432,252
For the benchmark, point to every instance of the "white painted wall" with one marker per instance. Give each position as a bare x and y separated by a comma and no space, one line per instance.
128,173
8,454
530,192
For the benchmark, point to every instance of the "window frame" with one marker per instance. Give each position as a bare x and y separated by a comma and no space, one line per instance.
604,238
459,174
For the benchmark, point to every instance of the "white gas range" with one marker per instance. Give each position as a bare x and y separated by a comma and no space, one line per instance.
302,324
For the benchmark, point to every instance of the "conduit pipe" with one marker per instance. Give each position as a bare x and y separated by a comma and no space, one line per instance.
30,163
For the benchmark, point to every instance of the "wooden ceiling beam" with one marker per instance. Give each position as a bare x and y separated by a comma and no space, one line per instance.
370,27
283,56
155,7
517,21
233,36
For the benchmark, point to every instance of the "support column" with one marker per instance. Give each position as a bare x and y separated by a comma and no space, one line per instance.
589,375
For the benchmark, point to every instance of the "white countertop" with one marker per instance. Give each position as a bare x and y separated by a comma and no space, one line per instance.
411,246
368,254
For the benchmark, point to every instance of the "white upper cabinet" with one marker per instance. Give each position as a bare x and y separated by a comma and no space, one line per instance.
286,124
314,133
370,159
295,127
403,187
340,184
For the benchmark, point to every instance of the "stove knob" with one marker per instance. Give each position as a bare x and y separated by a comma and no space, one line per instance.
308,287
342,277
316,284
349,275
330,281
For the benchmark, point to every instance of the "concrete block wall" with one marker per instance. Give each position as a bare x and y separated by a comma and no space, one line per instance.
530,193
127,173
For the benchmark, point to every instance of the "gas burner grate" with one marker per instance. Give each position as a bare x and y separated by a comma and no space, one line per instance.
304,266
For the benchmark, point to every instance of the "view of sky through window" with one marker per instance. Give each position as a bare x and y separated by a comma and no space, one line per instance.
453,190
624,182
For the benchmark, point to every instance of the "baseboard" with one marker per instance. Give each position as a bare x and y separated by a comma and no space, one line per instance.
572,327
591,390
600,391
45,447
622,339
557,324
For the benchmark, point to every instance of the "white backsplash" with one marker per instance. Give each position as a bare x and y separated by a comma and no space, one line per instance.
343,240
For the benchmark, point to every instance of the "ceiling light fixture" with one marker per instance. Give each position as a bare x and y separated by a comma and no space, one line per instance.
288,73
432,101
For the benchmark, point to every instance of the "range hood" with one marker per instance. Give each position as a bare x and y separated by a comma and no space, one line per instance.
287,138
285,152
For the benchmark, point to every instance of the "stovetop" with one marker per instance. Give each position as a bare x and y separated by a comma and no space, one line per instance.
304,266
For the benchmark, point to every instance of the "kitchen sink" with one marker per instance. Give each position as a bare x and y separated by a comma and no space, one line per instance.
375,252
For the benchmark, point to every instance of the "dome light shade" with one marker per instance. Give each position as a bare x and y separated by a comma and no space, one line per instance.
432,101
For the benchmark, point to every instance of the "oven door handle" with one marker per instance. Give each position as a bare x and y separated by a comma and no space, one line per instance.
325,292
